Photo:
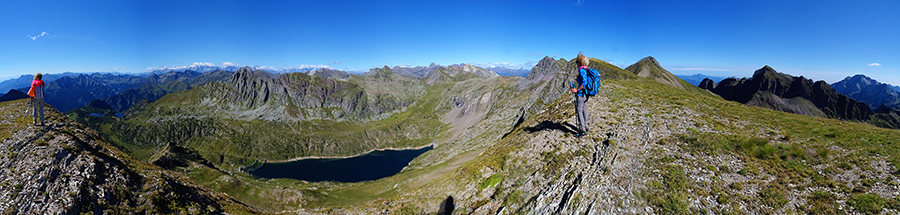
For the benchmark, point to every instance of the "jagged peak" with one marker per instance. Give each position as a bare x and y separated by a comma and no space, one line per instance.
243,73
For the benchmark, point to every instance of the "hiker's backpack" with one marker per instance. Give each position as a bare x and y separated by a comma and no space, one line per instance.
593,82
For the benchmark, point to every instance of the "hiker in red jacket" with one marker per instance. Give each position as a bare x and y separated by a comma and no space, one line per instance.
37,98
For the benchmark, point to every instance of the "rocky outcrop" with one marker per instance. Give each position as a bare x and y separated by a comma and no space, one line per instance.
869,91
64,168
771,89
544,67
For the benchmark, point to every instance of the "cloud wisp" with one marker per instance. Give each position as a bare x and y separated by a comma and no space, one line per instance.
526,65
33,38
579,3
874,64
701,69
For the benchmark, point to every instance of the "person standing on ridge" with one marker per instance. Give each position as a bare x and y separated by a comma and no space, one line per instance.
37,98
581,96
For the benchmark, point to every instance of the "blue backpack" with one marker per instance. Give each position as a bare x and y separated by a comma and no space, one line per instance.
593,82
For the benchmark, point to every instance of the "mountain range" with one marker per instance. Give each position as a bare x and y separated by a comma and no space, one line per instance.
509,71
24,81
869,91
695,79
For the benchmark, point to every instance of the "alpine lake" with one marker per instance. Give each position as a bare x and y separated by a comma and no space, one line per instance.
369,166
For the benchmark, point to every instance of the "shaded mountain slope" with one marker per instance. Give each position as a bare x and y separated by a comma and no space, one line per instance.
67,93
66,168
13,95
158,85
869,91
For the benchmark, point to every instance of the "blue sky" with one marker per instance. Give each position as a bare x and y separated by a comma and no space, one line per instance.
817,39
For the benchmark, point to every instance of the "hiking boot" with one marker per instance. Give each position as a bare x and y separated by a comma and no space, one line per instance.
579,134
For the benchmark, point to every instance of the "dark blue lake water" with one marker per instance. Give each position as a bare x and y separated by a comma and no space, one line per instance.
370,166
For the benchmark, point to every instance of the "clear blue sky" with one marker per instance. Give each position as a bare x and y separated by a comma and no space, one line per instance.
818,39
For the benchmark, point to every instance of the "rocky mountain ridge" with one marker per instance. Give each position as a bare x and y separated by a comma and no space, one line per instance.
778,91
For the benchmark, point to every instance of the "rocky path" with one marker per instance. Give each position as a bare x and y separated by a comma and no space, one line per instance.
601,173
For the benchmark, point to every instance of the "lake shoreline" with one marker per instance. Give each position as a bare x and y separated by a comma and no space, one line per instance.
350,156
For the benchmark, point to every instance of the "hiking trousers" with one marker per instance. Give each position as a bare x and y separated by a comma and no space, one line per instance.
581,112
38,107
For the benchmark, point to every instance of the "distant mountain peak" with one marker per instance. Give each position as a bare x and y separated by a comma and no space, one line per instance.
867,90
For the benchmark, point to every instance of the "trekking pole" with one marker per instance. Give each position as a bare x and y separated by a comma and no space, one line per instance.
572,83
28,107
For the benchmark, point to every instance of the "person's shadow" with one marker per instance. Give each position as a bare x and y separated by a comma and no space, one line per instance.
549,125
447,206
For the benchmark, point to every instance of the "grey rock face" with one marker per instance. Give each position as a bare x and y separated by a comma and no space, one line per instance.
299,96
